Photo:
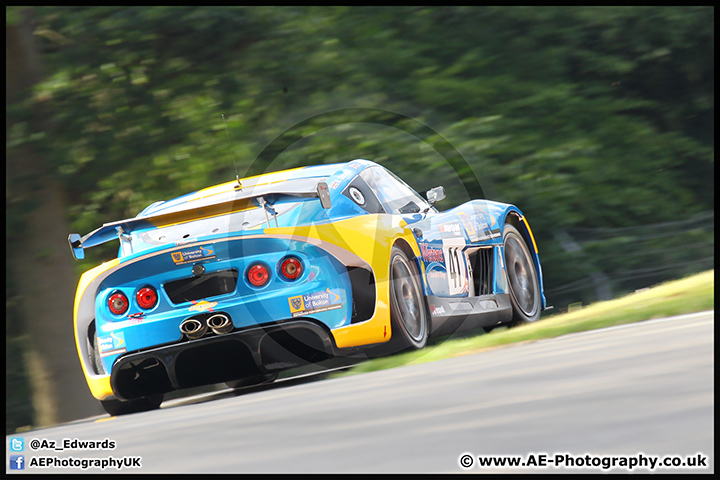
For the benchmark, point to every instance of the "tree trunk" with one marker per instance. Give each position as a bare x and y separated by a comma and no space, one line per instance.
41,265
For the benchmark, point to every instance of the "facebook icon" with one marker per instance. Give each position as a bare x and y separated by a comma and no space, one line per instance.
17,462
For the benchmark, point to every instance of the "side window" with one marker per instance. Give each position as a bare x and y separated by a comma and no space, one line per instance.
359,192
394,194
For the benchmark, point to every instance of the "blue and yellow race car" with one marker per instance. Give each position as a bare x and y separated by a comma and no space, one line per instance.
240,281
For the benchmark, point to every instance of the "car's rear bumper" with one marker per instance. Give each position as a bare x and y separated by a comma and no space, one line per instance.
220,358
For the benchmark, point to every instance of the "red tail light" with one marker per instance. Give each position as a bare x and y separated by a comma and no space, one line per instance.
146,297
118,303
258,275
291,268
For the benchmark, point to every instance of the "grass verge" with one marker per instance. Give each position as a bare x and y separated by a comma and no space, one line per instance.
691,294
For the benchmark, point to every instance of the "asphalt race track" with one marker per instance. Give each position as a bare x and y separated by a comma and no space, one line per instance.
644,388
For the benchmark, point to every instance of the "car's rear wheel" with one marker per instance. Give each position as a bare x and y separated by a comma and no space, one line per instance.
522,278
97,362
120,407
407,305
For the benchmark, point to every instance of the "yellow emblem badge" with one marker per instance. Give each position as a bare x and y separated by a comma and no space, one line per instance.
296,304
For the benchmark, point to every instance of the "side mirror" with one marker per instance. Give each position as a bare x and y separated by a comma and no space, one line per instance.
323,195
75,246
436,194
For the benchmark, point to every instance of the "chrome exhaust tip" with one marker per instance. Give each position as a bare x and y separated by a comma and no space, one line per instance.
220,324
193,328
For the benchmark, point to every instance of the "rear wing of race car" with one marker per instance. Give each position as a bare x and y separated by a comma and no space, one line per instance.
111,231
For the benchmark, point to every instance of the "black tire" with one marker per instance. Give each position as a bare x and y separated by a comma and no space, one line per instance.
252,381
408,313
99,368
522,278
119,407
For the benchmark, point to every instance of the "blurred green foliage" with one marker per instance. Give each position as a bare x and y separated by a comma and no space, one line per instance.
596,121
19,411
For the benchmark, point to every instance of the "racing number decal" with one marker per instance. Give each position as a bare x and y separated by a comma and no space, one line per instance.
458,278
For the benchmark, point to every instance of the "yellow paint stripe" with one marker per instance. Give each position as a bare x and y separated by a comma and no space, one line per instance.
175,218
532,237
99,387
370,237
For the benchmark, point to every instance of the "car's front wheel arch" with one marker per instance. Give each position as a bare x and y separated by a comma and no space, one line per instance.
515,219
522,277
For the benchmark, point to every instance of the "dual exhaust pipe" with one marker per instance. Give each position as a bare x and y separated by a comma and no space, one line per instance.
195,327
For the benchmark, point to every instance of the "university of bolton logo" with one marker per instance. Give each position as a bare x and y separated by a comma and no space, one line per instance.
296,303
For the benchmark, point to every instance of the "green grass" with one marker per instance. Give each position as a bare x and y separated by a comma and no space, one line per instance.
691,294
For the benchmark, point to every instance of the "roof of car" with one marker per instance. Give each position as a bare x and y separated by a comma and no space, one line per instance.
248,183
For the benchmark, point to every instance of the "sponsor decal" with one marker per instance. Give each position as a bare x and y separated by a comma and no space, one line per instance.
112,344
439,310
451,229
334,184
492,220
488,236
193,254
328,299
437,279
437,274
430,254
468,224
345,174
478,228
296,304
202,306
481,220
354,165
